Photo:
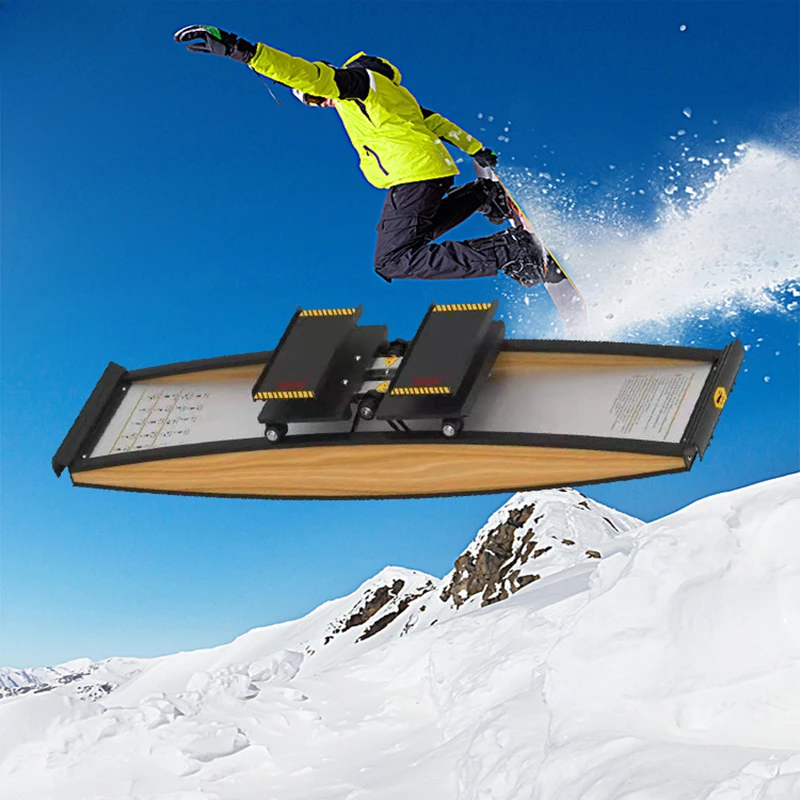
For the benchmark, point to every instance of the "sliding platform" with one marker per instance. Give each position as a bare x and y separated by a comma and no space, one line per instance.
337,410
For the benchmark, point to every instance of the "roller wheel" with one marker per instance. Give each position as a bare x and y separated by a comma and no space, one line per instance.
369,405
452,427
276,432
397,348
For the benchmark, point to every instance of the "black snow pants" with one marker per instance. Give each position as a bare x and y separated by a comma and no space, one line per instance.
414,214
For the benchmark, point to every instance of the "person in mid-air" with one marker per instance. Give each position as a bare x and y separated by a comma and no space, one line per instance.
400,148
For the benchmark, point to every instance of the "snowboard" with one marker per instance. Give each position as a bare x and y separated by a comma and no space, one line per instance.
564,293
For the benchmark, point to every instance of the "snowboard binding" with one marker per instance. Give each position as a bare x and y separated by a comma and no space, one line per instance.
526,259
496,208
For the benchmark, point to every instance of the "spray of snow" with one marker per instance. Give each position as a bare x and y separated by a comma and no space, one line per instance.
721,241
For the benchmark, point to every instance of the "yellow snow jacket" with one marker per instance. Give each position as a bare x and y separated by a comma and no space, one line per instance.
395,140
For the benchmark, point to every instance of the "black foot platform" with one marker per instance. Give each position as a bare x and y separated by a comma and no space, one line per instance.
327,368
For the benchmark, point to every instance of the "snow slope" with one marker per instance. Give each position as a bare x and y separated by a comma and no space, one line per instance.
684,667
657,662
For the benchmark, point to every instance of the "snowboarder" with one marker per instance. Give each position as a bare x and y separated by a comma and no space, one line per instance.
400,149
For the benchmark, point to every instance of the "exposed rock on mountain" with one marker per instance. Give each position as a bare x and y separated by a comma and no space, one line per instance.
505,554
389,599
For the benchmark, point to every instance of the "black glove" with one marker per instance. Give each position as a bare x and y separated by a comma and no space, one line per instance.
213,40
486,157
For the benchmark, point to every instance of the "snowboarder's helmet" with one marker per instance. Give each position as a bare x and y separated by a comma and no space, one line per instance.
312,99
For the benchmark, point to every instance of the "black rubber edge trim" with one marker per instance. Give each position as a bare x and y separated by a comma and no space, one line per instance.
708,410
610,348
89,417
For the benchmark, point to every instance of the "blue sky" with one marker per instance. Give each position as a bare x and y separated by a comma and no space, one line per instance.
160,206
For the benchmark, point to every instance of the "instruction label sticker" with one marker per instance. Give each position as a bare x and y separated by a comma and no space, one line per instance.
647,405
160,415
159,418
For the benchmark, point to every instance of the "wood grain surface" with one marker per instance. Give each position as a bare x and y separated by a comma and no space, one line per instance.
530,362
379,470
249,372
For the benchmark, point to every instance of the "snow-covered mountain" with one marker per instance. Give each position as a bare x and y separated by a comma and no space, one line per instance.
573,652
87,678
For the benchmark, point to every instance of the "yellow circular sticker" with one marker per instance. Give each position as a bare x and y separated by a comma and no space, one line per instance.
720,396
